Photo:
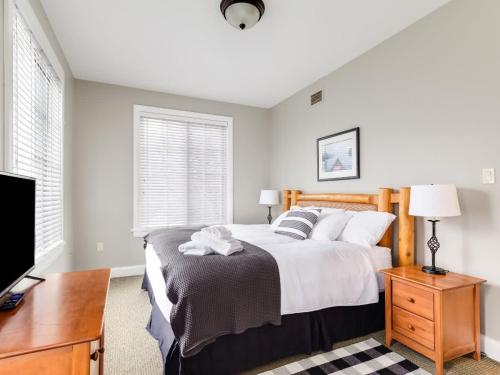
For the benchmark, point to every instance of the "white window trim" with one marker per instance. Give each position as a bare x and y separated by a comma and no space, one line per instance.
206,118
30,17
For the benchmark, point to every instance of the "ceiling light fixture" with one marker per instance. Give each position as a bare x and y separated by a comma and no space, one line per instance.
242,14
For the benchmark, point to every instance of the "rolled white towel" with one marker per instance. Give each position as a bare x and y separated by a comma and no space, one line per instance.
219,246
219,232
194,248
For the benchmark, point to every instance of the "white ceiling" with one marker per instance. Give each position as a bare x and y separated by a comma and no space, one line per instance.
186,47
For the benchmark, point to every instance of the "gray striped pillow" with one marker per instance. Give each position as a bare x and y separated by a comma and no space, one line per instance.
298,223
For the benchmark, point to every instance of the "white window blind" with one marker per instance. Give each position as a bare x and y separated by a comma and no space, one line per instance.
37,131
183,169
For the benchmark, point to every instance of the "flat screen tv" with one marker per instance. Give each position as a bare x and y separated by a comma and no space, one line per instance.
17,229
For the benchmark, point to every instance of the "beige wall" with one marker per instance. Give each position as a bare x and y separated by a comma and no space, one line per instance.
428,104
62,262
103,156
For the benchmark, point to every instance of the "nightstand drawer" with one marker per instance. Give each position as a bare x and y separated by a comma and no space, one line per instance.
415,327
413,299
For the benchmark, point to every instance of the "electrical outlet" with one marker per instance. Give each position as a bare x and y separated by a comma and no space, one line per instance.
488,176
100,247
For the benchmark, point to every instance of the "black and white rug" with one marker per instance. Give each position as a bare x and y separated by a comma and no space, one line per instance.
367,358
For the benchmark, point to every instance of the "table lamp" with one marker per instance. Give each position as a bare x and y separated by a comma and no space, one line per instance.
269,198
434,201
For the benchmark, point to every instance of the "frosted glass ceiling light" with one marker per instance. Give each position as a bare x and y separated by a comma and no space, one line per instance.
242,14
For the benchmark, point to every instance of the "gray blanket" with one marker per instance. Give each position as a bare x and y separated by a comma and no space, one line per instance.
216,295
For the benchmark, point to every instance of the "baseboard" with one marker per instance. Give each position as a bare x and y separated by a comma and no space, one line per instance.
127,271
491,347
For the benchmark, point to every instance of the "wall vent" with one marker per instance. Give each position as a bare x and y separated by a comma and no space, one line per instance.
317,97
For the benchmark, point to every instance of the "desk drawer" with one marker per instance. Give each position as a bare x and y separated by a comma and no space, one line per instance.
57,361
413,326
415,300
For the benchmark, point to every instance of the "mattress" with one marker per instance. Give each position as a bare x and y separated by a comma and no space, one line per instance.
313,274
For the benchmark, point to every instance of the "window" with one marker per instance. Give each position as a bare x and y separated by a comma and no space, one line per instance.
36,133
183,169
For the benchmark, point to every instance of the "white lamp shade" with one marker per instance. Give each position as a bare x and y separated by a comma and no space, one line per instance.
434,201
269,197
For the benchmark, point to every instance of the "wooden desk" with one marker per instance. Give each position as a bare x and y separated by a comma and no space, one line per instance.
58,328
435,315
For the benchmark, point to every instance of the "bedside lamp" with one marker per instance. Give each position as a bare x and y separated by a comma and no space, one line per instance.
269,198
434,201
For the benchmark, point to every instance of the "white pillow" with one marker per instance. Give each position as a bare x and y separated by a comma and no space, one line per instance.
329,226
366,228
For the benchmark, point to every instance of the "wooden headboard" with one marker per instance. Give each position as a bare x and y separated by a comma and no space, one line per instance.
384,201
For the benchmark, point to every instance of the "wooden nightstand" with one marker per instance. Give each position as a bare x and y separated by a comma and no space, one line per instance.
435,315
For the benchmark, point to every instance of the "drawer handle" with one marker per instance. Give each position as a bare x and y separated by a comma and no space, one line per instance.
411,300
95,356
411,328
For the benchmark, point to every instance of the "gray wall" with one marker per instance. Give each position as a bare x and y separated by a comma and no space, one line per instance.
62,262
427,101
103,180
428,104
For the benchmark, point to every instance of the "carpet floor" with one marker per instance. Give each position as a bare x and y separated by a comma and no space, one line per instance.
131,350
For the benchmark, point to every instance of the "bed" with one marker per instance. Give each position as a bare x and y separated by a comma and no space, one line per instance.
314,314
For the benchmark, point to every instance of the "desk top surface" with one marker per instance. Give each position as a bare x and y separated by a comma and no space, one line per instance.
66,309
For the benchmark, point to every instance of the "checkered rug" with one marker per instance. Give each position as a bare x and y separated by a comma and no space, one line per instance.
367,357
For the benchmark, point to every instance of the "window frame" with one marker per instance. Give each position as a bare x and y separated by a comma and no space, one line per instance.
166,113
47,256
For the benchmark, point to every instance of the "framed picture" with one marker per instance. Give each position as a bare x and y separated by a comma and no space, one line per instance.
338,156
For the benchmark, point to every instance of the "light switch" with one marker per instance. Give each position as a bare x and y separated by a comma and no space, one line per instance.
100,247
488,176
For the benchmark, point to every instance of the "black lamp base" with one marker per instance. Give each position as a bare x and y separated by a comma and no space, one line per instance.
269,217
434,245
434,270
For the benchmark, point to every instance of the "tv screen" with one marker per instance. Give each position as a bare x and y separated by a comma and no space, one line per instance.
17,229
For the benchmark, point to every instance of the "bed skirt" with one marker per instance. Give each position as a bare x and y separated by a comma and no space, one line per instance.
298,334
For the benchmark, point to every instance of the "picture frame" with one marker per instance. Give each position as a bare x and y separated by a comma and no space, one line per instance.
338,156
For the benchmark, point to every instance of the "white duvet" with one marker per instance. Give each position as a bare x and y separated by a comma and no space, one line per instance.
313,274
